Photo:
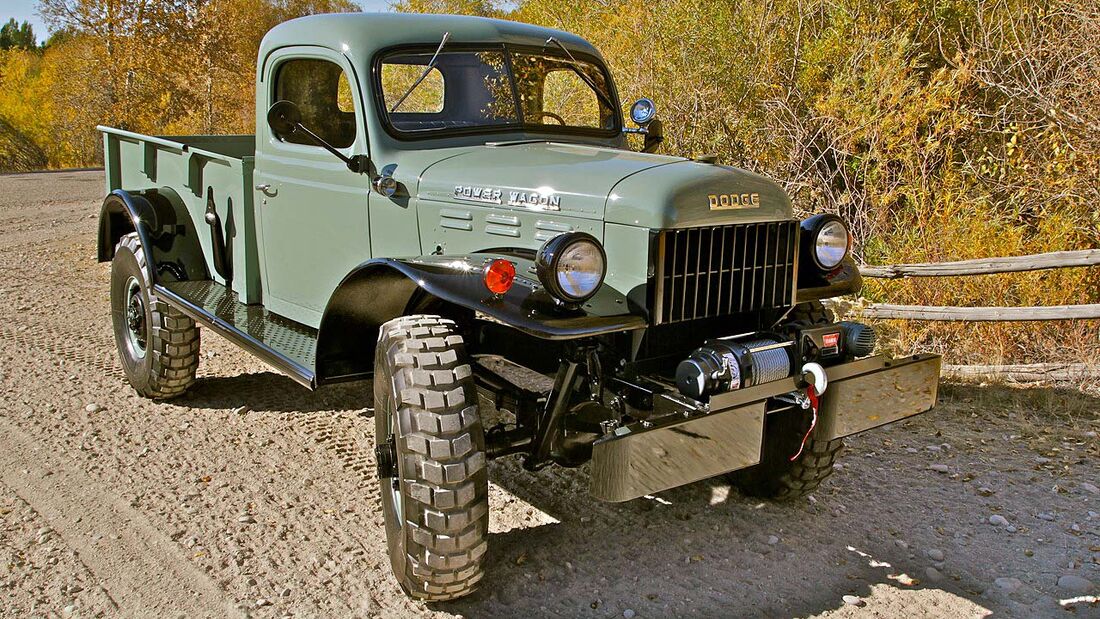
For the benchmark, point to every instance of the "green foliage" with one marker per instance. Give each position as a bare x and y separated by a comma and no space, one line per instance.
941,129
16,35
162,66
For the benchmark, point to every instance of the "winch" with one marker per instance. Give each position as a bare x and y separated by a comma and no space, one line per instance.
741,361
733,363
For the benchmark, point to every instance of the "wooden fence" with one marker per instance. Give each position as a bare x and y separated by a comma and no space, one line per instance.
985,266
1059,372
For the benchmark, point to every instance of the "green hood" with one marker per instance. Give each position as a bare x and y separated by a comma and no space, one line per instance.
615,186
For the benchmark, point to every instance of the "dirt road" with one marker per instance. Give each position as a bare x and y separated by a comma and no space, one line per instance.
111,505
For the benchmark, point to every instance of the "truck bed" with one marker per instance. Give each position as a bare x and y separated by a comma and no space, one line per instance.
184,169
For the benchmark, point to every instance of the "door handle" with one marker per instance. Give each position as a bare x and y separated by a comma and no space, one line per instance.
266,189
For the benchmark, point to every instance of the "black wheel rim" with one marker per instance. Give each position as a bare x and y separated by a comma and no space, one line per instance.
392,485
137,328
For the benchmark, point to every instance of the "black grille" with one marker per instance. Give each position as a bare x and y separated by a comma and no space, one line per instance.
707,272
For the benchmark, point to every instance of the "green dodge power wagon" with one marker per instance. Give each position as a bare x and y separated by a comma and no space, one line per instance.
448,206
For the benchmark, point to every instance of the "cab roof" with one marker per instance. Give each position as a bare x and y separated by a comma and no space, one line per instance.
360,35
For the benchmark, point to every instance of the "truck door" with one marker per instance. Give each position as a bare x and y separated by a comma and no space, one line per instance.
312,210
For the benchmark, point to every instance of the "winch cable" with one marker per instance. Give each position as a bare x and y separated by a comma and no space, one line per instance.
813,394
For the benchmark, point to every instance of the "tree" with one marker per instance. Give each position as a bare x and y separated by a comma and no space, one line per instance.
14,35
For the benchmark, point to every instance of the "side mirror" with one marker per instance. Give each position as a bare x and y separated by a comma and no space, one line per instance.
643,111
285,119
644,114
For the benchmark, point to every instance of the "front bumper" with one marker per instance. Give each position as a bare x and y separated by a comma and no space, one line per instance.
647,457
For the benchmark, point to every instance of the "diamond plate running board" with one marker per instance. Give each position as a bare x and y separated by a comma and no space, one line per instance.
285,345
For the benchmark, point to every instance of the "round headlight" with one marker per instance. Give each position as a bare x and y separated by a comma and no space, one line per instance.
643,111
571,266
831,244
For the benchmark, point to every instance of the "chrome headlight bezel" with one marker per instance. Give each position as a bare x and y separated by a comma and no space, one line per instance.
643,111
553,260
827,240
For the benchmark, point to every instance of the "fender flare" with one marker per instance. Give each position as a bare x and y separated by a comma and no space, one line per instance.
164,228
384,288
121,214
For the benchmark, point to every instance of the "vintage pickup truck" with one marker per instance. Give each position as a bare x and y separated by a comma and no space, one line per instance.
448,206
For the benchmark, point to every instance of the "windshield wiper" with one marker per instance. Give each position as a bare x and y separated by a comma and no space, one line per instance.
576,66
427,70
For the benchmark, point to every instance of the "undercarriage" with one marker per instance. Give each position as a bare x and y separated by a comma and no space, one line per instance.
651,424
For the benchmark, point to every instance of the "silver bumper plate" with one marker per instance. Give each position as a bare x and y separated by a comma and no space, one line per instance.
872,392
637,460
634,464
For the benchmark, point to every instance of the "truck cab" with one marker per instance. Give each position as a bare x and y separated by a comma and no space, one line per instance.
494,90
449,205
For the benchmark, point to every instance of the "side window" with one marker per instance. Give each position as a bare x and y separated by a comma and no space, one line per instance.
323,93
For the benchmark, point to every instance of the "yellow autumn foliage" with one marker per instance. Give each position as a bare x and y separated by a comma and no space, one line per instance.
941,129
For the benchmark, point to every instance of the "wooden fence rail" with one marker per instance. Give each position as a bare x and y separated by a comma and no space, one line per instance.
1027,372
1057,372
986,266
982,314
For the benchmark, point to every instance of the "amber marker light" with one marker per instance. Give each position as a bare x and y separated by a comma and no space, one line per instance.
499,276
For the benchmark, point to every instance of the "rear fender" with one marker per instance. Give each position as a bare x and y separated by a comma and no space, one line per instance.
164,228
385,288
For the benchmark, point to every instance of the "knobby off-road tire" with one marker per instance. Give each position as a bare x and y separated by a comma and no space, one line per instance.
158,345
776,477
436,509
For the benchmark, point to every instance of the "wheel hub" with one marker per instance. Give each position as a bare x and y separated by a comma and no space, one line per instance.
385,457
135,319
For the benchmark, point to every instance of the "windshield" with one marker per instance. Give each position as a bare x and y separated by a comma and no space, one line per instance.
490,89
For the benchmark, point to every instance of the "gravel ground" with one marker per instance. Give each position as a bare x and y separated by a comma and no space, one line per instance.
111,505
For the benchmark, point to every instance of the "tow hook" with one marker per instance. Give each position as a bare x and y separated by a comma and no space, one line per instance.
796,398
385,457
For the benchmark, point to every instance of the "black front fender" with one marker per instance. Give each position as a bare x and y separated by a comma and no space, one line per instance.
382,289
814,285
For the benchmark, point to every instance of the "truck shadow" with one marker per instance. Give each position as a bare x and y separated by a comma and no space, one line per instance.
872,531
273,392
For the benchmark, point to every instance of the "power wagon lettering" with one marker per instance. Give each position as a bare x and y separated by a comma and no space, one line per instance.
534,200
478,194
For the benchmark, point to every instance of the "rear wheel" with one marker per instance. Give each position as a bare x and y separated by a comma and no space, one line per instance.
157,345
777,477
431,458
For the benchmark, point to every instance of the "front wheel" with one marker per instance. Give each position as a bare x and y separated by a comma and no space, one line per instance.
776,476
430,450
